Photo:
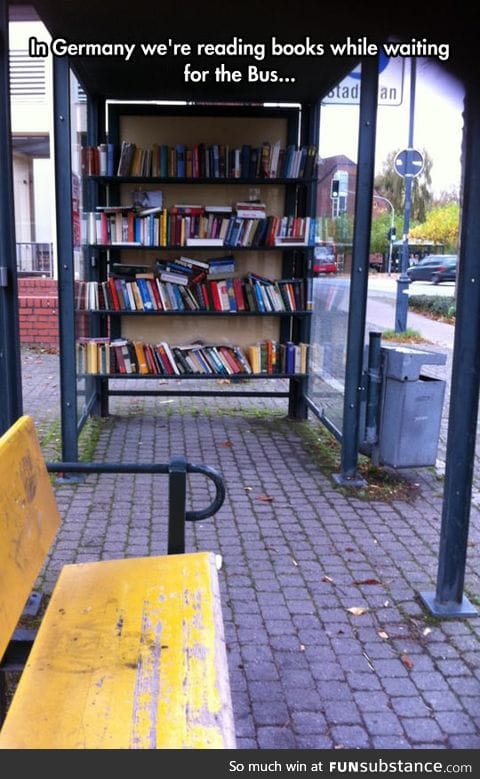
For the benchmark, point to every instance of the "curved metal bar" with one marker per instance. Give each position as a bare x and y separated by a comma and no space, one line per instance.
176,470
217,503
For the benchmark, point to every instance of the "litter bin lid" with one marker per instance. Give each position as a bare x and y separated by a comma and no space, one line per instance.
405,363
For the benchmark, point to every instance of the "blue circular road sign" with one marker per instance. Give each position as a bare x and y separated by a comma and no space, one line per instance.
408,162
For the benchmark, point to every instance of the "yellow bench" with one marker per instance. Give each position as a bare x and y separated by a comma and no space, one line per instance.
130,653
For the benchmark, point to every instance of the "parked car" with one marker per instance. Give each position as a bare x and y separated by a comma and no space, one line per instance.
424,269
446,272
324,259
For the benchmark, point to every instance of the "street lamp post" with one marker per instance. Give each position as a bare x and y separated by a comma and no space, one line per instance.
392,229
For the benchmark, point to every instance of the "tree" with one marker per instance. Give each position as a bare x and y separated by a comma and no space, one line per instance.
391,185
441,225
379,234
446,197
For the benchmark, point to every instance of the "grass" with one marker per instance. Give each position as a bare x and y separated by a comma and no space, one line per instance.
408,337
88,439
51,443
383,484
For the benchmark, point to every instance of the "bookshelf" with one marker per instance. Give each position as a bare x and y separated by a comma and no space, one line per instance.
249,323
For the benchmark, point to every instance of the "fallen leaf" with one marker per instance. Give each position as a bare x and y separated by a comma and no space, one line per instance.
227,444
407,661
427,631
265,498
383,635
328,579
248,489
357,611
294,562
368,581
223,381
302,647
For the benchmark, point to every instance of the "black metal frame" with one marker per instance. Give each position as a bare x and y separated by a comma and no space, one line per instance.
63,192
448,600
354,391
10,363
300,195
354,387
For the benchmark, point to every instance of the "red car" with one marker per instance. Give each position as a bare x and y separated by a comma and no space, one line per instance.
324,259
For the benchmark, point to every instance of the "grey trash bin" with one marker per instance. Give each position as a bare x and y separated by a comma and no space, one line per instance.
411,409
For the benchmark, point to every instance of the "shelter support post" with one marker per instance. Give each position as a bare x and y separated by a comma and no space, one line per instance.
66,273
449,599
10,363
359,274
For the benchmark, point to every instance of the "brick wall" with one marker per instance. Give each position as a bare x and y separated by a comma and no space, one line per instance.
38,311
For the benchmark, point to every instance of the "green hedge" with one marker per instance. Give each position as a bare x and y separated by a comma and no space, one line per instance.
435,305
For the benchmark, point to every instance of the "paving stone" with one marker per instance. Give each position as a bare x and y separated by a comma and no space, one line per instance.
465,742
350,737
308,723
314,741
410,707
275,557
383,723
454,722
342,712
422,729
363,681
275,738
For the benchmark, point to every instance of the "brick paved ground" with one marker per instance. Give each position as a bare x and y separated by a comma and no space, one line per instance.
305,672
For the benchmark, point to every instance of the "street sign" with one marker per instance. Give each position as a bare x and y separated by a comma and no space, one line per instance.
390,85
408,163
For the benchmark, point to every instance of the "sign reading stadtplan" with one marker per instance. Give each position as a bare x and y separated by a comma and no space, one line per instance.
390,85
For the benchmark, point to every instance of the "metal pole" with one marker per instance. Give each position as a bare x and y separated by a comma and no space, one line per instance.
374,387
66,308
176,506
401,309
359,274
10,362
449,600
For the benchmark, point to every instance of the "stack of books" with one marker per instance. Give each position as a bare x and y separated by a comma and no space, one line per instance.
124,357
185,285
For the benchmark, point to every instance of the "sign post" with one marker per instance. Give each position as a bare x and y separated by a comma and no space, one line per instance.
408,164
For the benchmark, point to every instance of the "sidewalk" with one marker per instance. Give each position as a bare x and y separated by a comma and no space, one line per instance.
305,671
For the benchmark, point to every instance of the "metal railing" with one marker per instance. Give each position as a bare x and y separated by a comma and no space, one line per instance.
177,470
35,259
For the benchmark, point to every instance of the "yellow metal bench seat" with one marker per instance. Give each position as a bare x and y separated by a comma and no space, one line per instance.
130,653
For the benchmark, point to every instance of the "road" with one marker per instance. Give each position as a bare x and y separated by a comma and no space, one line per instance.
382,283
382,291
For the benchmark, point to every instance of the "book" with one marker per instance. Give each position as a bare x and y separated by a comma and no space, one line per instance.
127,150
126,269
204,242
141,357
219,209
175,278
147,301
